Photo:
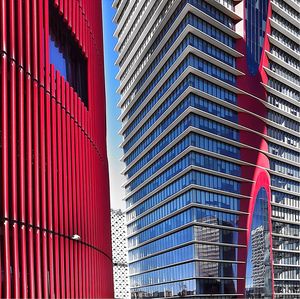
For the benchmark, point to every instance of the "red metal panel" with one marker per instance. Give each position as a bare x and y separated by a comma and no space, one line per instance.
255,155
51,159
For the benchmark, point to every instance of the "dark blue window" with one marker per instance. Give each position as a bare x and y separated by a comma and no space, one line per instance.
256,25
66,55
57,58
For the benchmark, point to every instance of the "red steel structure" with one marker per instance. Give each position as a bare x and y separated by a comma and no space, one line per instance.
54,172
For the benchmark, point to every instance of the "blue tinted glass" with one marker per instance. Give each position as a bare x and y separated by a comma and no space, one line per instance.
57,58
258,272
256,25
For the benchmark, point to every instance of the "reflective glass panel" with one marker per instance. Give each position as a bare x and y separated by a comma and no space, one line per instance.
258,272
256,24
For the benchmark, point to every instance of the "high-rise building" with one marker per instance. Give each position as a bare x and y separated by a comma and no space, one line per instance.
119,254
210,109
55,211
257,260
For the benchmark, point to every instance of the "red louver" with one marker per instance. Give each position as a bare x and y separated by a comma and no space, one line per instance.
54,207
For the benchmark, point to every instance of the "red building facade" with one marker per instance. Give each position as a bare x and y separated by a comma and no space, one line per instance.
55,221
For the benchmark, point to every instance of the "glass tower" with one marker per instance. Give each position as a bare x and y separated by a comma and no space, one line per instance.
210,113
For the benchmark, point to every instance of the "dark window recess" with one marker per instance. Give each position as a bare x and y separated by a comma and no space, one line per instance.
66,55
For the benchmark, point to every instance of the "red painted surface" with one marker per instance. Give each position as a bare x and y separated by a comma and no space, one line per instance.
54,172
258,174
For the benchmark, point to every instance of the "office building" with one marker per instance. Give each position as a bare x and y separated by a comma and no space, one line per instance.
120,254
55,211
210,110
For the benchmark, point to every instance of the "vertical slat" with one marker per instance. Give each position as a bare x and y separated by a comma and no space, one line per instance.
73,182
83,28
49,87
80,27
2,265
85,294
89,206
70,16
37,222
78,18
42,135
73,17
54,99
90,215
65,9
78,198
61,6
60,95
23,278
29,151
80,186
4,121
75,173
65,184
50,127
13,148
86,210
94,175
70,190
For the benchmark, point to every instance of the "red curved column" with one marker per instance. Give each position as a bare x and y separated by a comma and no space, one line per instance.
54,171
255,139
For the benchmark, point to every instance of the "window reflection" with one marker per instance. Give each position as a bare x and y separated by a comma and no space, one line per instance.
175,289
256,24
217,286
258,273
66,55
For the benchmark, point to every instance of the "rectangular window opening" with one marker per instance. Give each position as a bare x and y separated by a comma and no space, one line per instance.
66,55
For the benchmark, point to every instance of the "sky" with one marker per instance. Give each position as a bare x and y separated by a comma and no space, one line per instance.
112,111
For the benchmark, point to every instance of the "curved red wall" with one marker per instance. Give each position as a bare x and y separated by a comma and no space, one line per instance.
54,172
255,139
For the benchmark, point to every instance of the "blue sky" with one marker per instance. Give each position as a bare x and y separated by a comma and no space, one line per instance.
112,111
